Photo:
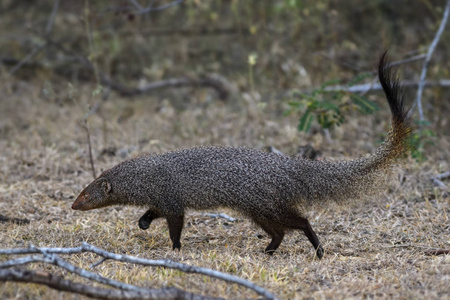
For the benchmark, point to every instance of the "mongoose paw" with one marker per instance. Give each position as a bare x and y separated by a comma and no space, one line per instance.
176,246
143,223
319,252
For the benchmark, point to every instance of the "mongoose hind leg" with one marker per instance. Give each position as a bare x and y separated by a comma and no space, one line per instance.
175,224
277,234
147,218
294,220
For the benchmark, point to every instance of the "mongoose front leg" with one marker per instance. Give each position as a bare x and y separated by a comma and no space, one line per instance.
175,224
277,238
277,234
147,218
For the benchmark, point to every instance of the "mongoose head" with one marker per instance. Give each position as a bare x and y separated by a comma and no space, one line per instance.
95,195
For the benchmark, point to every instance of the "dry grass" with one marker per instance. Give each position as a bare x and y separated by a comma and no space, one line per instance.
373,250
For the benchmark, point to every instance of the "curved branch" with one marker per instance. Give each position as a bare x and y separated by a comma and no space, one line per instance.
141,261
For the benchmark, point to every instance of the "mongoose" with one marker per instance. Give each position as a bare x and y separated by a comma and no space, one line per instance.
273,190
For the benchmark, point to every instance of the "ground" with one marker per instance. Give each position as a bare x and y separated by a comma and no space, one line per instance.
374,249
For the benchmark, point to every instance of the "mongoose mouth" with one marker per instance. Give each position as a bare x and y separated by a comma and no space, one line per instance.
79,202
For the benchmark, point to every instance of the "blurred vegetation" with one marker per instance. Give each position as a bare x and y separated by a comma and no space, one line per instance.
269,49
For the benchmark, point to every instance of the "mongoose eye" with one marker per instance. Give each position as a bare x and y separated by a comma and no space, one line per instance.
86,195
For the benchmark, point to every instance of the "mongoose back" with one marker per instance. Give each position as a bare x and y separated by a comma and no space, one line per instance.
273,190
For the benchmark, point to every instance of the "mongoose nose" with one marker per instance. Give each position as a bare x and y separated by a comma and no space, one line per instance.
78,203
74,205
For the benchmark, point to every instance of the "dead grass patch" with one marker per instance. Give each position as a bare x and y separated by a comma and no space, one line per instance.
373,249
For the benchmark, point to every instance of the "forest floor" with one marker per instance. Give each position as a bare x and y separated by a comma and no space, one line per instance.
374,249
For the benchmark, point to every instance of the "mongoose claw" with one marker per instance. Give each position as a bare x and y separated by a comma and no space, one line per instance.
270,252
319,252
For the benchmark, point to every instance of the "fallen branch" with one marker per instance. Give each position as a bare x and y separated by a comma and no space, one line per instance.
220,215
61,284
437,179
428,58
48,256
443,175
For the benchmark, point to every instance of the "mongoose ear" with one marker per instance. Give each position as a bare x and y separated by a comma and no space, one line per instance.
106,185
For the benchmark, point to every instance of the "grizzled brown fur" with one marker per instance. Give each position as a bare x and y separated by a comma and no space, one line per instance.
273,190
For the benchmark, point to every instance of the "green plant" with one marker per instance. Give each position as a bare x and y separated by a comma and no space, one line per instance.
421,138
329,106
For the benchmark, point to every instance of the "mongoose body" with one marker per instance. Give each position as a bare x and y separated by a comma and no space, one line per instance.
275,191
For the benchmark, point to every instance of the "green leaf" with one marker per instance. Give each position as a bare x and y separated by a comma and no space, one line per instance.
310,98
323,121
365,105
295,104
305,121
328,105
358,78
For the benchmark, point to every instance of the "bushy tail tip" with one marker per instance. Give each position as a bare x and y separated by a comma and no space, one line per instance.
397,140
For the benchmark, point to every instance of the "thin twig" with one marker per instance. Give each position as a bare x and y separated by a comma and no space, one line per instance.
38,48
29,56
88,135
406,60
136,4
272,149
137,9
427,60
375,87
51,20
98,263
150,8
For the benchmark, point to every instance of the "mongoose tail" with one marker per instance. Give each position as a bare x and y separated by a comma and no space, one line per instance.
343,181
275,191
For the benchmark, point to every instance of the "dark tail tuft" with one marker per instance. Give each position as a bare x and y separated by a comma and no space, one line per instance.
393,91
396,142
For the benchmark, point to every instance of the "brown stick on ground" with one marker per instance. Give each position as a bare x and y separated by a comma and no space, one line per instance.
437,251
